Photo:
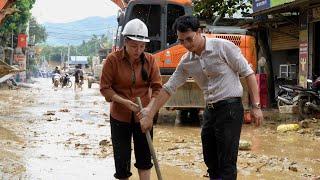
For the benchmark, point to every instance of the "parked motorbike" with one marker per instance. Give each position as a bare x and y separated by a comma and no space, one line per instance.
12,84
65,81
288,95
309,100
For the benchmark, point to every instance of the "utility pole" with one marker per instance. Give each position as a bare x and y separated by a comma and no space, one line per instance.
12,38
68,55
11,57
61,60
27,52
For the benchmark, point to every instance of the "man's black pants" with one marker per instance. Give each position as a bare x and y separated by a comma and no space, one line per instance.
220,136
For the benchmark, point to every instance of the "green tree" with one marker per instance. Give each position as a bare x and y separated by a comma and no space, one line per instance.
86,48
37,32
17,22
209,9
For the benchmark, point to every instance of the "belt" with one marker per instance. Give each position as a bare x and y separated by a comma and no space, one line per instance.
223,102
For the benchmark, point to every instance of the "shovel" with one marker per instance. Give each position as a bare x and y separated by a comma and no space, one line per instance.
153,154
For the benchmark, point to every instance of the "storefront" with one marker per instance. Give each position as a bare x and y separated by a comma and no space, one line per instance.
314,35
294,27
285,53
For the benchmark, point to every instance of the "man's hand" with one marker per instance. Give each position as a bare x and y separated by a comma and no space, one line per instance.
131,105
257,116
146,119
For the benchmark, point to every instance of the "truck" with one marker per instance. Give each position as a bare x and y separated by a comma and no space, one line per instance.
97,64
159,17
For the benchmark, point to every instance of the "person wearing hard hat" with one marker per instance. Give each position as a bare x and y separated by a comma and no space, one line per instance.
127,74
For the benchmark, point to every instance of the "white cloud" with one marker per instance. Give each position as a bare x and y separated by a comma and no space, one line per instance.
60,11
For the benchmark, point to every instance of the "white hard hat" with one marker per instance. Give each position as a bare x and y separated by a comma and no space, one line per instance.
136,30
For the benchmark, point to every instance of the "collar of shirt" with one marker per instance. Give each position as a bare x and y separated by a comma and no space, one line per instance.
206,48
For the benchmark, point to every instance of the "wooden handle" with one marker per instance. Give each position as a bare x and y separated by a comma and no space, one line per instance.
153,154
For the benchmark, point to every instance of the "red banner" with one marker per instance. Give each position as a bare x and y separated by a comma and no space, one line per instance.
22,40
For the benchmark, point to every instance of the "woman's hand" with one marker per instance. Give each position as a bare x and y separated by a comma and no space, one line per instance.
131,105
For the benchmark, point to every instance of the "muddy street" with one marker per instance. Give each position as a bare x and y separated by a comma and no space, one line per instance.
65,134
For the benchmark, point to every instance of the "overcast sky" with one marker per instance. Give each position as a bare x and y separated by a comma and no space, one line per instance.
60,11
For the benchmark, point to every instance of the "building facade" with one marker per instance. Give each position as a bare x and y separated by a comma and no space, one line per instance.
292,28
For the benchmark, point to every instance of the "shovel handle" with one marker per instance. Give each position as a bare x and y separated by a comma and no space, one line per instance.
153,154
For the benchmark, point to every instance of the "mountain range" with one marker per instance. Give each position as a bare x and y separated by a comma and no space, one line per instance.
74,33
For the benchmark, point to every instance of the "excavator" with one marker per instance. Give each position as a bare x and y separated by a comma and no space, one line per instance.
159,17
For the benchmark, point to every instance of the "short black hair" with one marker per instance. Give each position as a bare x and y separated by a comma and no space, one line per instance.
186,23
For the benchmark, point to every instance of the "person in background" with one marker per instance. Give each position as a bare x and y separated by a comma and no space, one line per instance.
127,74
78,76
55,72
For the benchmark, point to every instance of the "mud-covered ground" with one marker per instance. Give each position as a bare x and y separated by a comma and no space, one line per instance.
65,134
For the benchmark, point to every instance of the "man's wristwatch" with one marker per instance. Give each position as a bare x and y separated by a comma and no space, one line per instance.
256,105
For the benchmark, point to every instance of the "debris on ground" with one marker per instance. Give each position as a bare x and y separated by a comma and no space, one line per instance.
244,145
288,127
64,110
48,113
304,124
104,142
293,167
52,118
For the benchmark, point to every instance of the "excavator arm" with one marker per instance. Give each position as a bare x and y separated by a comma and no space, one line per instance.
122,4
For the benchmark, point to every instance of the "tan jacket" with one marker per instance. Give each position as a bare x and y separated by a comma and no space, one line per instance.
117,78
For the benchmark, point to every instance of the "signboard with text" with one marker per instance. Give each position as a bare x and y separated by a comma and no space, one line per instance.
303,58
259,5
20,60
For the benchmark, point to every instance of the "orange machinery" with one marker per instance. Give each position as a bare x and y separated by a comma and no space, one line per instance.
159,16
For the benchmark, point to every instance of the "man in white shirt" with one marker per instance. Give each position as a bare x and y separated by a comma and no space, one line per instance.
215,64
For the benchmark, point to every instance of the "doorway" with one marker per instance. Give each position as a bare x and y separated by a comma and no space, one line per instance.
316,50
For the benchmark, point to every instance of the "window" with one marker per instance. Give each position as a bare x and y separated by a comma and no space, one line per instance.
151,16
288,71
174,11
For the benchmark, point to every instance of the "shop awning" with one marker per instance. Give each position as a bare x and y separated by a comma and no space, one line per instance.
6,71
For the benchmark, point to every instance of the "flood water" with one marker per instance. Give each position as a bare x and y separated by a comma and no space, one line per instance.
65,134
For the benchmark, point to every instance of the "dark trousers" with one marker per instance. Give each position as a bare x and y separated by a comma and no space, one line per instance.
121,135
220,136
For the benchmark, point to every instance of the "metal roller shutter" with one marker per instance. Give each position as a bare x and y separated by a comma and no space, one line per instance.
284,38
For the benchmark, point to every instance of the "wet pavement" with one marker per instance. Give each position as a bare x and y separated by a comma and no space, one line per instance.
65,134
